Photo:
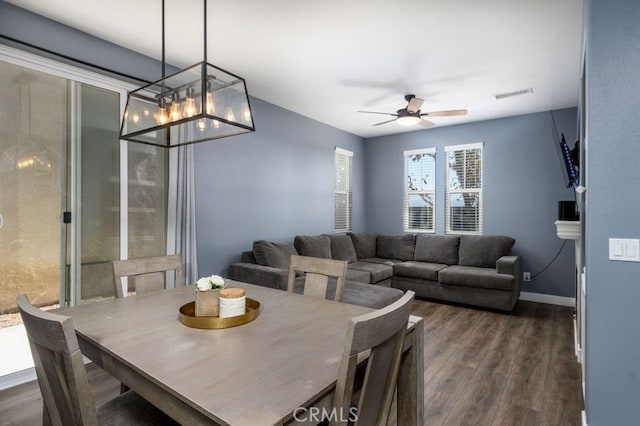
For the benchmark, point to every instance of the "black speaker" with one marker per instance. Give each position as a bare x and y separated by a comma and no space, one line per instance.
567,210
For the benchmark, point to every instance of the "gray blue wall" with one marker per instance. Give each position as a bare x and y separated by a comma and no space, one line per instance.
272,184
613,206
523,182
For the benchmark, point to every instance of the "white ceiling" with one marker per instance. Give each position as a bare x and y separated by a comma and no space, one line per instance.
326,59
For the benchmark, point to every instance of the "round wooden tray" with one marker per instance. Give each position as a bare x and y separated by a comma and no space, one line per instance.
188,317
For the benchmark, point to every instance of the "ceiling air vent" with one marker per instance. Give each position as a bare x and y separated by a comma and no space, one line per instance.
514,93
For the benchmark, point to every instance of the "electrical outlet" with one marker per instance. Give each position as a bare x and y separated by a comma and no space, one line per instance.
526,276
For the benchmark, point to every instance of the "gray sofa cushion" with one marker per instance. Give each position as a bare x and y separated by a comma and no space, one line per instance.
358,275
371,296
471,276
377,271
421,270
483,250
342,248
399,247
437,249
276,255
389,262
313,246
364,243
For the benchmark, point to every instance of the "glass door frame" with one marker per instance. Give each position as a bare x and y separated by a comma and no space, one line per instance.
78,75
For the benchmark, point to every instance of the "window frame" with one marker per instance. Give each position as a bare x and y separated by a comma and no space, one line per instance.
407,192
448,190
348,192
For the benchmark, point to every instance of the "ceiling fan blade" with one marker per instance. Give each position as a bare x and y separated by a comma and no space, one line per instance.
376,112
445,113
384,122
415,104
426,123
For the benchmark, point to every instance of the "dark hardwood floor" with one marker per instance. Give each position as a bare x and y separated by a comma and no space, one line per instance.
481,368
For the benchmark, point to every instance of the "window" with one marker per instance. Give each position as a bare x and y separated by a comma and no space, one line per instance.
463,196
342,192
419,190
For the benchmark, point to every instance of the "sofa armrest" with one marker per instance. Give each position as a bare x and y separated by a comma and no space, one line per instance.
508,265
265,276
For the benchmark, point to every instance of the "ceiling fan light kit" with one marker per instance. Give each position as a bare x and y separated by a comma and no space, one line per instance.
411,114
408,120
200,103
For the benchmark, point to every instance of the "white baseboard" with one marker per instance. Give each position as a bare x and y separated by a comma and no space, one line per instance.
584,418
19,377
549,299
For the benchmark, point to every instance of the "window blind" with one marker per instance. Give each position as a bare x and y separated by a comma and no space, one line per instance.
343,190
419,190
463,189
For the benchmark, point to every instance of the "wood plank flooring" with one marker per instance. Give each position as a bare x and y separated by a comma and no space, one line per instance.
481,368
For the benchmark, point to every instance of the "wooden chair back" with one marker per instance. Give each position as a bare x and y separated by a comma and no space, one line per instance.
58,362
148,273
382,332
317,274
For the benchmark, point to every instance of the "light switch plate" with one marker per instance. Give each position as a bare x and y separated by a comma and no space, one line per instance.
624,249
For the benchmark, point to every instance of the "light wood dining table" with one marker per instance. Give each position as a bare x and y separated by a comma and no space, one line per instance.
260,373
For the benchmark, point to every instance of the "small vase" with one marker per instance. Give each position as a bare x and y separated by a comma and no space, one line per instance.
207,303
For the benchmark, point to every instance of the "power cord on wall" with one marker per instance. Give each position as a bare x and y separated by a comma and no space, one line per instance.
551,261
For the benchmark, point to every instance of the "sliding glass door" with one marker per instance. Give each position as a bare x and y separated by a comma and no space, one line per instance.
73,197
33,176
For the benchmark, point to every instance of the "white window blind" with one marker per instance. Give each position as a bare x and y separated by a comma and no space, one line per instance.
419,190
343,190
463,189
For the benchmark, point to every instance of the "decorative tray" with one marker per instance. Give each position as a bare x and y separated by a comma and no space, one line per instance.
188,317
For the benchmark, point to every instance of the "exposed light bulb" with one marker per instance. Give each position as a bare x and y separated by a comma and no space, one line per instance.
135,117
189,109
201,125
162,117
146,112
230,116
211,107
216,124
174,110
246,114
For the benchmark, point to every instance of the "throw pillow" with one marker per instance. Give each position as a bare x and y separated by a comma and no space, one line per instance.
276,255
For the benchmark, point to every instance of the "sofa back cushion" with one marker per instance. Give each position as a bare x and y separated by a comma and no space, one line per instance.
276,255
313,246
483,251
364,243
399,247
437,249
342,248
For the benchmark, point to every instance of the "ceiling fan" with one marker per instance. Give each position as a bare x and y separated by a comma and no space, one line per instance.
411,114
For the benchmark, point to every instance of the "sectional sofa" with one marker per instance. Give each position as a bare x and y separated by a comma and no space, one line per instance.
476,270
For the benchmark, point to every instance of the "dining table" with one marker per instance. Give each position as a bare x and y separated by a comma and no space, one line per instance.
272,370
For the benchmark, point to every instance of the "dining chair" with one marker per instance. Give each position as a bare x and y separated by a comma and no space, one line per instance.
383,332
317,273
148,273
66,393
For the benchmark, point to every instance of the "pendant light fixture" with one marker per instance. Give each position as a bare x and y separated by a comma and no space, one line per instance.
200,103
